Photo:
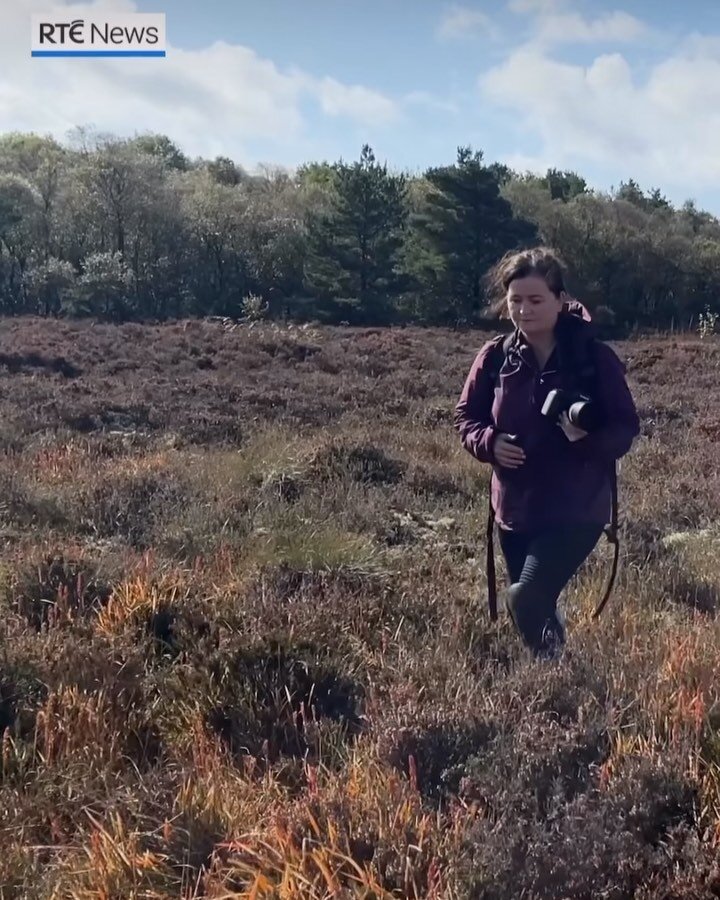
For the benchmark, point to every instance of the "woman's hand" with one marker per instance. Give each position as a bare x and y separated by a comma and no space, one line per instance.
572,432
507,453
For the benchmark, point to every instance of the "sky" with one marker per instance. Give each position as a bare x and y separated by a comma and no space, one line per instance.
610,90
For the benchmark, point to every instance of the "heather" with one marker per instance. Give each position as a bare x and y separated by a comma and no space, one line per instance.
245,651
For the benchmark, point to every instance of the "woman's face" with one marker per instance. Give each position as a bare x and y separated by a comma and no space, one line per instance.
532,306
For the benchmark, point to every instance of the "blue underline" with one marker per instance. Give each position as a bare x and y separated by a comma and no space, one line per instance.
97,53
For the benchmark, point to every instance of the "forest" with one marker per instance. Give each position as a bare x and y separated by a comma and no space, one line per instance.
132,229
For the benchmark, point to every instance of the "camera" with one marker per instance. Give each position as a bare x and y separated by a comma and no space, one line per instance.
581,411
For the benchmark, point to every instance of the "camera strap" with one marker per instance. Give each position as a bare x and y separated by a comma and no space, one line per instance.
490,563
613,535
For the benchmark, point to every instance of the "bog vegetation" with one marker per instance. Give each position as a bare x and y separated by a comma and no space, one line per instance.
244,649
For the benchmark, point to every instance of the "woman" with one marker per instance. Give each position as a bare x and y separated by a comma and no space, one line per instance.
551,486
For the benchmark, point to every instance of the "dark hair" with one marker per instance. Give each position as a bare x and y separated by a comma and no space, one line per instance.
540,261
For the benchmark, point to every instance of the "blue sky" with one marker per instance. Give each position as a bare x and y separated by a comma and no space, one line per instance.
611,90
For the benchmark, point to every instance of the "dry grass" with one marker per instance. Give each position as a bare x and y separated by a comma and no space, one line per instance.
244,645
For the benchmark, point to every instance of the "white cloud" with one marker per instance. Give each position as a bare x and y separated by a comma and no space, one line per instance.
523,162
664,129
554,23
573,28
209,100
355,101
429,101
461,22
544,7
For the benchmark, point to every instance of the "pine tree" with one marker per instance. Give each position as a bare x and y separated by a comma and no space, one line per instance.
353,243
463,227
564,185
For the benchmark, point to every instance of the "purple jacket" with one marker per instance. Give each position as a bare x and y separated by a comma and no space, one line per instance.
561,482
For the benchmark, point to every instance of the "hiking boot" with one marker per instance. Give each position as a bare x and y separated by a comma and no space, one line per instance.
552,641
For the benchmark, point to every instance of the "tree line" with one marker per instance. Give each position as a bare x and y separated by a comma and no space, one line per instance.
133,229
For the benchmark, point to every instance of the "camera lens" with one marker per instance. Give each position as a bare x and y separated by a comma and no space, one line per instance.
582,415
